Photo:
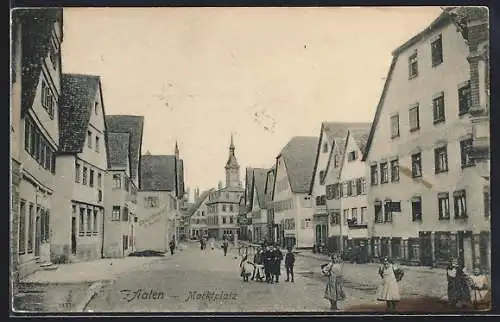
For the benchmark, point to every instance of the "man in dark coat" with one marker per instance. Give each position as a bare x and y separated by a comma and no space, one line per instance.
225,245
172,246
268,259
277,258
289,262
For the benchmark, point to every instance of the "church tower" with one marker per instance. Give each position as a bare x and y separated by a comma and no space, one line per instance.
232,168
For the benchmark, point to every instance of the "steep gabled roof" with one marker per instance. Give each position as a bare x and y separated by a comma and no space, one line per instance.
270,183
259,184
37,24
299,156
76,104
248,185
134,125
119,149
359,136
158,172
201,199
336,133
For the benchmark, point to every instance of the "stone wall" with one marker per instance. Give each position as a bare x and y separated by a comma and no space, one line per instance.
16,182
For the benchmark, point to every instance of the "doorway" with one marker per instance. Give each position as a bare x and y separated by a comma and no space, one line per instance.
73,235
37,233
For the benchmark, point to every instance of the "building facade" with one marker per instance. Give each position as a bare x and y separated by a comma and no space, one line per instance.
351,190
121,199
425,190
198,215
81,170
36,88
223,204
272,226
292,204
257,212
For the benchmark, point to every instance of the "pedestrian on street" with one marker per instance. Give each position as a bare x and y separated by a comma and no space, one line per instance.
225,245
277,258
334,290
212,243
289,262
389,289
458,286
172,246
268,259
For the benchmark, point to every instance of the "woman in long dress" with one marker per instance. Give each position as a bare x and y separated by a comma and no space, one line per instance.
334,290
389,289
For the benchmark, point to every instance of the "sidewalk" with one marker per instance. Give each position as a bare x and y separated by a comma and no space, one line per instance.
72,286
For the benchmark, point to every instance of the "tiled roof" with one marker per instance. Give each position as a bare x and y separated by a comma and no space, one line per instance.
200,200
260,177
299,156
36,30
134,125
360,136
157,172
78,94
270,182
118,148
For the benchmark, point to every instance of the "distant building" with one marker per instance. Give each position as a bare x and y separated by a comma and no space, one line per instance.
272,227
223,204
292,204
37,35
160,197
427,195
257,214
82,166
198,215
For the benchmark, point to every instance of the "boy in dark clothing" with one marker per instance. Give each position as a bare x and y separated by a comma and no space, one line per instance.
289,262
172,246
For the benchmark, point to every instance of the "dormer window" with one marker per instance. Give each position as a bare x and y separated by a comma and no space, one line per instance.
325,147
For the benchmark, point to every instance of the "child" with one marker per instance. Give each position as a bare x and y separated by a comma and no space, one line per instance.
289,262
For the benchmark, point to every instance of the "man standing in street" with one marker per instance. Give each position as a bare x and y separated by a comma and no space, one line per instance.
277,258
172,246
268,259
289,262
225,244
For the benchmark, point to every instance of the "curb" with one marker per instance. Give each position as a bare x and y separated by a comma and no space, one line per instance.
91,292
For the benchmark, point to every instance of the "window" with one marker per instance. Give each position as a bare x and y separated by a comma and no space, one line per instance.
223,208
388,211
151,202
414,118
438,109
384,173
354,214
89,222
351,156
374,174
53,54
441,159
416,208
330,192
44,226
89,139
231,219
363,215
465,148
84,175
77,172
325,147
231,208
126,182
91,178
322,177
47,99
460,204
115,215
31,227
486,198
335,217
125,214
395,126
336,161
344,189
464,99
99,180
349,188
437,51
95,223
416,165
22,227
223,219
395,170
27,134
444,205
346,216
117,181
81,227
97,144
48,158
413,249
359,186
413,65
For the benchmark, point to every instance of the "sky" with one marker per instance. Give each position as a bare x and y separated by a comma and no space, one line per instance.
264,74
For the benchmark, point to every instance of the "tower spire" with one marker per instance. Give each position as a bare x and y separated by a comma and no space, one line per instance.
231,146
176,149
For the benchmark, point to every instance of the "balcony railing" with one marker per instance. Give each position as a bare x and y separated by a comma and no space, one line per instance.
354,224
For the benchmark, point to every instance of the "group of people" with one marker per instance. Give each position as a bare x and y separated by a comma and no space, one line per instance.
465,288
267,264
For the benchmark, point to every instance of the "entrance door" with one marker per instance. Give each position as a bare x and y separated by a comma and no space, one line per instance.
37,233
465,250
73,235
318,234
425,248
